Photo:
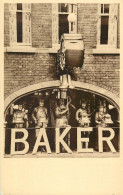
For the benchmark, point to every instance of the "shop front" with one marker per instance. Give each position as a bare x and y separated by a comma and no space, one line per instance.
52,119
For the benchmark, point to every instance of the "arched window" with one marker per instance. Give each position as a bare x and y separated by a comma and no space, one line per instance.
30,105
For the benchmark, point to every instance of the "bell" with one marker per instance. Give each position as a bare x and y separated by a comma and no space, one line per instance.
64,81
70,82
108,119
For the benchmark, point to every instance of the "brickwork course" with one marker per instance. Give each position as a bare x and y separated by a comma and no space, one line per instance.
24,69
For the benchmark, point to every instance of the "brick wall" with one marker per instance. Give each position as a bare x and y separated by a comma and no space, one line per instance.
25,69
41,25
101,70
22,70
87,24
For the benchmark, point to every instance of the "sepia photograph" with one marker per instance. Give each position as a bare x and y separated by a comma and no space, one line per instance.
61,66
61,98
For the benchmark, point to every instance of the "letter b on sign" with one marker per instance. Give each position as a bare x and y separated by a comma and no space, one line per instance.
20,140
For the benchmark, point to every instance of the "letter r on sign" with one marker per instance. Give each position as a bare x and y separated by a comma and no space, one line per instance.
107,139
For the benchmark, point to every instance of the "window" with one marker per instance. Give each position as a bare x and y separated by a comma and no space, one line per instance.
107,26
20,24
63,11
60,24
104,23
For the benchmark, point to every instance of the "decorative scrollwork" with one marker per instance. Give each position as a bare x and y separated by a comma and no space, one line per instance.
62,68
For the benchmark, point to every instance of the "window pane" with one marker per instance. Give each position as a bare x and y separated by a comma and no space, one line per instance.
19,6
63,7
106,8
63,24
19,27
104,29
101,8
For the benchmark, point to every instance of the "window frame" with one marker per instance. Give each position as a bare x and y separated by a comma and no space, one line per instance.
30,33
70,10
57,13
108,45
104,15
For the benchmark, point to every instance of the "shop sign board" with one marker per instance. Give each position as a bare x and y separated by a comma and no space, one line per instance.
59,140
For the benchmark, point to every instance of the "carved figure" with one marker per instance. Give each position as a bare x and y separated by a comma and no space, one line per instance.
61,113
83,120
20,117
40,116
100,117
82,116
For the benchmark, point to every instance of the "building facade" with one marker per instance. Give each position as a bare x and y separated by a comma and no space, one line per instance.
32,34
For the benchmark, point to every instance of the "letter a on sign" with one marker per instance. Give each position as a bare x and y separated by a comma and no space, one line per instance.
21,140
42,132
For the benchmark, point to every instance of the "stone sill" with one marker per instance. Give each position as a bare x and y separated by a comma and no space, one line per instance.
54,49
106,51
29,49
25,49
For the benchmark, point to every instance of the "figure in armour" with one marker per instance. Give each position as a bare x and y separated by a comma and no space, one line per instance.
61,113
20,117
20,120
82,115
40,116
62,116
83,120
100,117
